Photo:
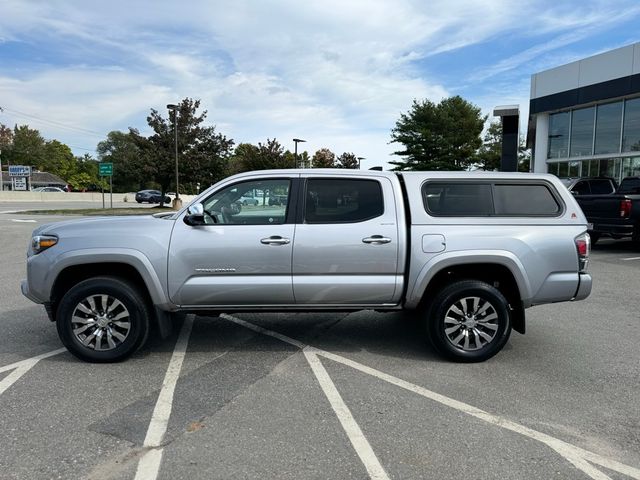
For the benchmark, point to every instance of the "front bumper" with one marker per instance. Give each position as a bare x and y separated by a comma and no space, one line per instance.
24,286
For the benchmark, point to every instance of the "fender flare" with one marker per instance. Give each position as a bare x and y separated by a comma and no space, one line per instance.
127,256
456,258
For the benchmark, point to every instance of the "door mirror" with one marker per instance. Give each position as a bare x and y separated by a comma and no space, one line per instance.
195,215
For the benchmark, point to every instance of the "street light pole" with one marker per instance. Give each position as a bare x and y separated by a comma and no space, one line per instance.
296,141
359,160
177,203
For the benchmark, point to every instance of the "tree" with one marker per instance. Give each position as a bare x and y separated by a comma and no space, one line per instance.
202,153
58,159
86,176
6,137
491,150
323,158
490,153
27,147
267,156
347,160
121,149
443,136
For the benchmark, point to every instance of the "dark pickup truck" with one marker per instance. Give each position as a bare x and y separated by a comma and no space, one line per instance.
615,214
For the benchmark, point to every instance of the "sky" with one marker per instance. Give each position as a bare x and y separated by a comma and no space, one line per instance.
336,73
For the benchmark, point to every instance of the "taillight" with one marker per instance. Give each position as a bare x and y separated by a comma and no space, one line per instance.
583,247
625,208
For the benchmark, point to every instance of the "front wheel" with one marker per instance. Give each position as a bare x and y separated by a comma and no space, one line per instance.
103,319
469,321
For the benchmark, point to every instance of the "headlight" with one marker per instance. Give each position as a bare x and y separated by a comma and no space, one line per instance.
40,243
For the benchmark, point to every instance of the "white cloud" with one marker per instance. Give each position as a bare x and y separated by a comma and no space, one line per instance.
335,73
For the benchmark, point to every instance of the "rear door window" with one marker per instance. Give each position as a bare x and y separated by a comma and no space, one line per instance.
342,201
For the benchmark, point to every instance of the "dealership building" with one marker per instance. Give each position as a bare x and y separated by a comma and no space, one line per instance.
584,117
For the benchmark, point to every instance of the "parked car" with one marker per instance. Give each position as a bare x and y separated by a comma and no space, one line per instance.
248,200
614,214
467,252
48,189
151,196
277,199
591,185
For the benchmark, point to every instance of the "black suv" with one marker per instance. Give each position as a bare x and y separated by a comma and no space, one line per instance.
151,196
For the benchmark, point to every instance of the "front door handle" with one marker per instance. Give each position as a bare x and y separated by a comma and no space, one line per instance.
376,239
275,240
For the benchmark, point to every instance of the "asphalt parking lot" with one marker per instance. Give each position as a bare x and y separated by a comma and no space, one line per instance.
317,396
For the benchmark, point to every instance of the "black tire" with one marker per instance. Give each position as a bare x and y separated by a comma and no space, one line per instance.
476,338
139,201
121,328
595,236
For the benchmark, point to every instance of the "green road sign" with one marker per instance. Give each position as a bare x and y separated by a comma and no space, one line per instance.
106,169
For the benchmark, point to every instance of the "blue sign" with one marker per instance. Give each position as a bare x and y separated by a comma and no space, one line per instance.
19,171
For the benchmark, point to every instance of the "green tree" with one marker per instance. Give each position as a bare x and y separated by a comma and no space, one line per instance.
490,153
59,160
443,136
6,137
121,149
323,158
267,156
87,176
27,148
347,160
202,153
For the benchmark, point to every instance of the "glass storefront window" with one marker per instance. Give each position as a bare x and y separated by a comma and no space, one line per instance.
631,130
574,169
582,132
631,167
610,168
563,169
608,123
558,135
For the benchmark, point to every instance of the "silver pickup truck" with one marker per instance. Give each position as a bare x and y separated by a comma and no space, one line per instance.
468,252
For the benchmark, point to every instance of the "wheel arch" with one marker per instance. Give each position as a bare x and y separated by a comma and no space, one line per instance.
503,272
85,264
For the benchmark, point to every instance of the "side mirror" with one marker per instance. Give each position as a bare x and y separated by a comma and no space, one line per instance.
195,215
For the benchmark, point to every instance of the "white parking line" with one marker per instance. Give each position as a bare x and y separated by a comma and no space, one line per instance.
360,443
22,367
19,220
149,464
577,456
631,258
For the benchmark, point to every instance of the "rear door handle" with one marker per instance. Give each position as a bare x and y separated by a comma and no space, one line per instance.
376,239
275,240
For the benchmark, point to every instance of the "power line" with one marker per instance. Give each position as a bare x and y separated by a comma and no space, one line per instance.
52,122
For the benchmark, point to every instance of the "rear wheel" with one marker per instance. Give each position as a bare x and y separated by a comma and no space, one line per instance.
103,319
469,321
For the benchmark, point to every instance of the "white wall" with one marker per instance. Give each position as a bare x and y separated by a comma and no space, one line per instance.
88,197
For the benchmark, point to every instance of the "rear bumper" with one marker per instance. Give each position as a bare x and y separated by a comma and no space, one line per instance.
622,230
584,287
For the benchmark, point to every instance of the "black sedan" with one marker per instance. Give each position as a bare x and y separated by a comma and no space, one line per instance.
151,196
